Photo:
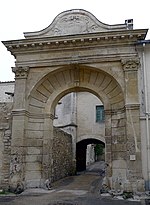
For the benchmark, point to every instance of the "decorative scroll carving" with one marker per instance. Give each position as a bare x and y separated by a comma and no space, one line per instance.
130,64
20,72
74,24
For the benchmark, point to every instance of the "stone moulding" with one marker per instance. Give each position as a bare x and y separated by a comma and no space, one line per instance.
99,40
23,112
132,106
74,40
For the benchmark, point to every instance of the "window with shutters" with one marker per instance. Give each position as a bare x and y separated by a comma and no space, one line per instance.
100,115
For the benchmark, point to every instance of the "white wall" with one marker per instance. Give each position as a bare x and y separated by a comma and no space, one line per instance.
144,90
6,87
80,109
86,115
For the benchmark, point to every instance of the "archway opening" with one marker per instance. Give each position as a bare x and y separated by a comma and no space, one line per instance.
88,152
81,114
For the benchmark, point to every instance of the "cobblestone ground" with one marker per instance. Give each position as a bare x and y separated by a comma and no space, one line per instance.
82,189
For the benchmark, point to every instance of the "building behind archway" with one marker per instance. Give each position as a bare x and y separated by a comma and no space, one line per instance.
81,114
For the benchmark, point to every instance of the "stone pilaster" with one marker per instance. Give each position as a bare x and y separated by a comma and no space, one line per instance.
108,138
21,74
20,118
118,134
134,166
130,68
47,161
118,149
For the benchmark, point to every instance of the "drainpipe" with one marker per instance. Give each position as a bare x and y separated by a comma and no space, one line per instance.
147,117
74,121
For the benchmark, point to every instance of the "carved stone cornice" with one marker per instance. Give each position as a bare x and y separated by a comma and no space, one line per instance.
21,72
131,64
100,39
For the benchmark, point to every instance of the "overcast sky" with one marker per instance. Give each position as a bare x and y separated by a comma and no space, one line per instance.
18,16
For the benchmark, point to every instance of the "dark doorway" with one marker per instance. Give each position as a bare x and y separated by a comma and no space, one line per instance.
81,153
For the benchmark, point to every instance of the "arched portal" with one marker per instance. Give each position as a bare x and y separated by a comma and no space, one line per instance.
81,152
67,57
42,100
77,78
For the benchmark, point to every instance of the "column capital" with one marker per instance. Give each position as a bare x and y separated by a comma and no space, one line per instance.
130,64
21,72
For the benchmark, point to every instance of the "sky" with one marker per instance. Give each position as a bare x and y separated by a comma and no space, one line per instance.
18,16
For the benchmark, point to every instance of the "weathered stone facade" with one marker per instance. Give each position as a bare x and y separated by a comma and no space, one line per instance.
67,57
62,155
61,158
5,143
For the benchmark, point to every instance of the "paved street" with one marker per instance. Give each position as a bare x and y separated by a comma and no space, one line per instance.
82,189
45,199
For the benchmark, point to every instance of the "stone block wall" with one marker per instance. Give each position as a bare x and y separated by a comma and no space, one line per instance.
34,152
116,154
5,143
118,127
62,155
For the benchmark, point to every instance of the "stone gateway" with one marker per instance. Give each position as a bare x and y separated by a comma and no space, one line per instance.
76,53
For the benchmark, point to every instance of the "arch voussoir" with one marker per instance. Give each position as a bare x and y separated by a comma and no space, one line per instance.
78,79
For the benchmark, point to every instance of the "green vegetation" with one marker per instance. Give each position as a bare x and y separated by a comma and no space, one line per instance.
3,191
127,195
99,149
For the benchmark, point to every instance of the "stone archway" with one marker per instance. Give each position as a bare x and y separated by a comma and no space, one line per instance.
52,87
66,57
76,78
81,152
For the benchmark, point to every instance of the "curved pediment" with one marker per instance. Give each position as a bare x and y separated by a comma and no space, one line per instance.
72,22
